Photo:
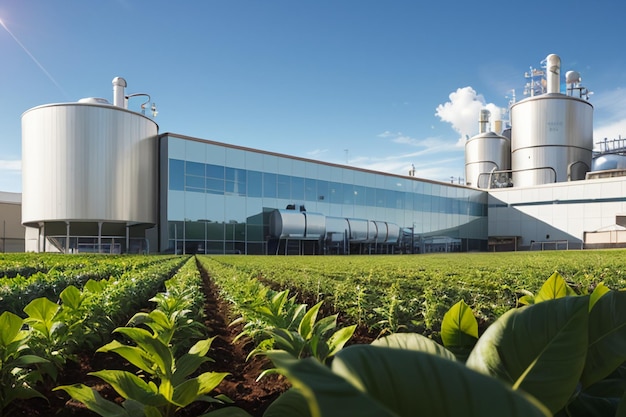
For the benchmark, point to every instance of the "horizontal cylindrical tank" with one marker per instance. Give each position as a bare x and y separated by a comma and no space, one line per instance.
551,139
296,224
358,230
287,223
484,153
609,161
315,224
393,233
336,228
88,162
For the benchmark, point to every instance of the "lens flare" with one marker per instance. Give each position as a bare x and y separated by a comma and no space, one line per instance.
34,59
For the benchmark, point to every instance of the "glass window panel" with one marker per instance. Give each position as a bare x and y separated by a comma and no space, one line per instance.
335,191
255,184
194,182
381,197
310,189
194,168
195,204
176,205
176,148
236,188
399,199
284,186
177,174
195,151
215,185
297,188
322,191
235,174
215,208
215,154
215,231
194,230
370,197
359,195
269,185
214,171
348,194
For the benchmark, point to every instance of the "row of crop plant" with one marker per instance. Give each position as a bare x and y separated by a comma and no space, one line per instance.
389,293
16,291
562,352
36,345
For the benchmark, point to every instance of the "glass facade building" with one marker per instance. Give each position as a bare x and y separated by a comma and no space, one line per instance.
217,198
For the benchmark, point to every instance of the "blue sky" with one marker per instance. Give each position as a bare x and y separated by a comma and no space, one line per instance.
374,84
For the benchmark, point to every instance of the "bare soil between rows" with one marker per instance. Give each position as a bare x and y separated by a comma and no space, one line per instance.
240,386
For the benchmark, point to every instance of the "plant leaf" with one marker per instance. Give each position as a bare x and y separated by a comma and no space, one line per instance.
305,328
338,339
10,325
459,330
132,354
130,386
539,348
291,403
597,293
370,380
71,297
554,287
158,351
41,312
190,390
607,337
93,400
415,342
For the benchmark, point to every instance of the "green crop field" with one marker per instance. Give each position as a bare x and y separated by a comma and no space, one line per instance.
419,289
299,314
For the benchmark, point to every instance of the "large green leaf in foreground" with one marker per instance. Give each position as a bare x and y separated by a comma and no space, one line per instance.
539,348
607,337
376,381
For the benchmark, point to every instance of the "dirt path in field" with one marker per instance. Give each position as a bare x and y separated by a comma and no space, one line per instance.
241,386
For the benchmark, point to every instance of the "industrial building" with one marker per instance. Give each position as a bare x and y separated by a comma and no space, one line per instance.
98,177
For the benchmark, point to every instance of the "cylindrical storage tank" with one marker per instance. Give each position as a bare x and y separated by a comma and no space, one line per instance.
609,161
88,162
551,139
484,153
315,224
287,223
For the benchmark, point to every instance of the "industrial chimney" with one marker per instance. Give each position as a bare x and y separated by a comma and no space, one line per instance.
119,96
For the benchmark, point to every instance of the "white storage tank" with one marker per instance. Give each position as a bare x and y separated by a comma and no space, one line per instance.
485,153
90,176
88,162
551,135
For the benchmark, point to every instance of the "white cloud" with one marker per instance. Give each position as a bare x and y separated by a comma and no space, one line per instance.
430,144
463,109
609,115
10,165
316,152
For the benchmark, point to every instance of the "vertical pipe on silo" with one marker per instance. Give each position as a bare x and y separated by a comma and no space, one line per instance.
119,96
553,67
483,121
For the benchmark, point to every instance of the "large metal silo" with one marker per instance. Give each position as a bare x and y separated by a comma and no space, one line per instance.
89,171
551,135
485,153
551,139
